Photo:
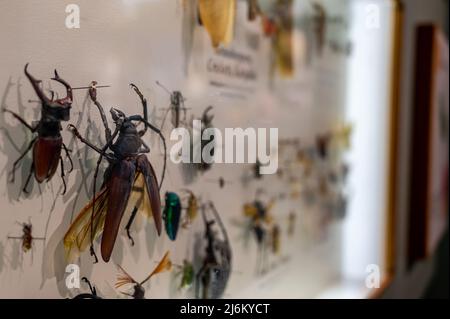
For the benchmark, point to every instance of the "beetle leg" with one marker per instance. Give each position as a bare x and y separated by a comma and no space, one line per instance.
68,155
144,148
144,107
20,158
62,175
130,222
24,189
199,281
92,251
93,95
157,131
21,120
93,290
164,118
75,132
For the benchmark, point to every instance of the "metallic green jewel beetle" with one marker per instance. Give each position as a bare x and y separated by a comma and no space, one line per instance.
171,214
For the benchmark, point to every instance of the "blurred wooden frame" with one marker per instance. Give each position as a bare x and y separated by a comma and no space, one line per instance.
425,226
391,187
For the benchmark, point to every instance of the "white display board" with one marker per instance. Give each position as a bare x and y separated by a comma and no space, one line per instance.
124,41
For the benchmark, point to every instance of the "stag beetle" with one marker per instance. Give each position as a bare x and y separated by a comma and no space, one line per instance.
129,176
213,276
48,144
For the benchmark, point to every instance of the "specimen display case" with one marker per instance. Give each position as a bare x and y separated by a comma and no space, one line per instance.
304,200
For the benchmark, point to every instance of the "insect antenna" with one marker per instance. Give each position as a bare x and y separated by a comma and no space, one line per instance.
164,88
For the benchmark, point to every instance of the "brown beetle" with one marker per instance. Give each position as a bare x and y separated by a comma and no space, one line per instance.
48,144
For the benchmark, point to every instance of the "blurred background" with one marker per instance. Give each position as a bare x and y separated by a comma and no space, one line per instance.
358,90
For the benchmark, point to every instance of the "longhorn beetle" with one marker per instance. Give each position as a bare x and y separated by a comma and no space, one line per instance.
129,176
48,144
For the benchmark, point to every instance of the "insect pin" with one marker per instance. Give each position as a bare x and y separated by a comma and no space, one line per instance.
48,143
27,237
123,278
128,179
221,181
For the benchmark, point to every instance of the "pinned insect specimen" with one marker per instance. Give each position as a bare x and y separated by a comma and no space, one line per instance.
275,239
176,107
129,182
283,40
27,237
291,223
257,169
322,145
48,143
343,136
171,214
123,278
92,295
218,19
320,24
206,121
212,278
191,209
258,212
221,181
187,275
253,9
